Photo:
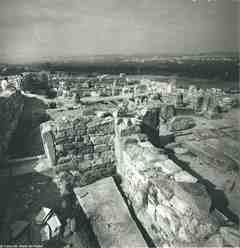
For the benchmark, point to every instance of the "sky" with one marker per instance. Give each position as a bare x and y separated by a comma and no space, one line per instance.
34,29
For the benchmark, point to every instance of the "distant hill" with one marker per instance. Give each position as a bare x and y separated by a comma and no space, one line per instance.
217,65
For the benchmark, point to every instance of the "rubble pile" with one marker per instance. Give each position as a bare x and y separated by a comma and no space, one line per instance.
11,107
84,144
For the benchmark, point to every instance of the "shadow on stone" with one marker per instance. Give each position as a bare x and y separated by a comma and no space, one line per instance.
24,199
146,236
218,197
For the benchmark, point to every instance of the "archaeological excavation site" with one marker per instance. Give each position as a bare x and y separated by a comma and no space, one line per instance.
129,168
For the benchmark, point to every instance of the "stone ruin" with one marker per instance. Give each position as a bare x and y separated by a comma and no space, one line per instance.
81,144
167,200
172,205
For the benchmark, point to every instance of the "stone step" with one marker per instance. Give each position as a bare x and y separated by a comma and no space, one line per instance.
109,215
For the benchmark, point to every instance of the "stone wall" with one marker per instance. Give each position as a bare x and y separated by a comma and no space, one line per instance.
105,87
169,202
82,145
87,88
11,107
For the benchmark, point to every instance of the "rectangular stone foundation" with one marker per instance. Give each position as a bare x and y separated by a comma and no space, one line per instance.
109,215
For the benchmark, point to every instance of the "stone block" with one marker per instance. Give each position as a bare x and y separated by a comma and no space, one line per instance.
84,166
183,235
88,177
79,144
79,157
88,156
130,130
59,148
190,223
81,132
101,148
87,149
151,209
60,134
180,205
170,215
64,159
150,153
59,140
168,166
68,146
97,160
107,156
164,190
78,138
106,139
180,150
205,229
100,126
139,199
184,176
195,196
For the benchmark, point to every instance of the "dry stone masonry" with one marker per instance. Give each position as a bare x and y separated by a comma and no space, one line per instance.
170,203
173,205
83,145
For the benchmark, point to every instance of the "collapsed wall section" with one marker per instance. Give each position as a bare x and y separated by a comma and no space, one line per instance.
81,145
171,204
11,107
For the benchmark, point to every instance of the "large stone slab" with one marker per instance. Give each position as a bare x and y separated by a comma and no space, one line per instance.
109,215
